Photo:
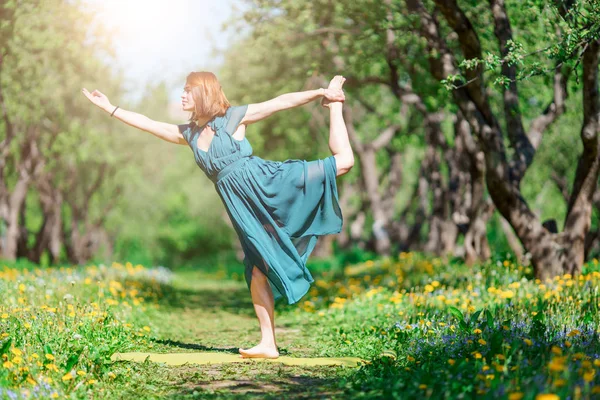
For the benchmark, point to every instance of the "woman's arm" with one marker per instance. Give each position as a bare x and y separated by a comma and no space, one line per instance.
163,130
259,111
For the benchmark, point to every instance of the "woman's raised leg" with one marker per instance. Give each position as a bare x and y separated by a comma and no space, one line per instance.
264,305
339,143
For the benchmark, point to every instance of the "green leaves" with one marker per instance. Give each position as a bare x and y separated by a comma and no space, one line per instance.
5,346
72,360
459,316
467,324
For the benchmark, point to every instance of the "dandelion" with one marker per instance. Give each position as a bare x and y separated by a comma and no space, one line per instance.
482,342
589,376
547,396
49,357
422,386
52,367
451,361
515,396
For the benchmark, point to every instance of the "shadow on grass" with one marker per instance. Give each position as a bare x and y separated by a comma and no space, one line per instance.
278,384
192,346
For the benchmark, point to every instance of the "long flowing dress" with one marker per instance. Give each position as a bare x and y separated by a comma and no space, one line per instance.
278,208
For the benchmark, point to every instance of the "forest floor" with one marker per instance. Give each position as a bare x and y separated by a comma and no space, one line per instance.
420,328
217,316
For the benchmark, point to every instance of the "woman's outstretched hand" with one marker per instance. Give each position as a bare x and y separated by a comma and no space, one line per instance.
334,92
98,98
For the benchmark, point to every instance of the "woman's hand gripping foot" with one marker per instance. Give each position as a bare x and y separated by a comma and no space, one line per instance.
336,84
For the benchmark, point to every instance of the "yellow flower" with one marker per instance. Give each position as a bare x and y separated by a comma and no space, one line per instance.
54,395
81,373
589,376
409,358
91,381
4,316
529,342
560,382
477,331
111,375
422,386
515,396
52,367
8,364
574,332
547,396
49,357
16,351
451,361
67,377
556,350
147,328
482,342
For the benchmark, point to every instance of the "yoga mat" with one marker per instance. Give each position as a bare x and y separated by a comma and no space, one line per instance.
219,358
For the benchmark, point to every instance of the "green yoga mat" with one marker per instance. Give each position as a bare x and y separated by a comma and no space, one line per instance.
219,358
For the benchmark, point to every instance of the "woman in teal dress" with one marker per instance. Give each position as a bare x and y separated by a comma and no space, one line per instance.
278,208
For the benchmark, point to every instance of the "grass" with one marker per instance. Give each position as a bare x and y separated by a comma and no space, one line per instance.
429,328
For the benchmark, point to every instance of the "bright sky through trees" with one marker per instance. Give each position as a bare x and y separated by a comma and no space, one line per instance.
160,39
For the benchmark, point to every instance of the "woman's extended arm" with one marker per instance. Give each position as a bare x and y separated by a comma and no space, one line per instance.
259,111
163,130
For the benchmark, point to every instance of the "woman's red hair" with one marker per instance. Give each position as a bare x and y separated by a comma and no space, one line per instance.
208,96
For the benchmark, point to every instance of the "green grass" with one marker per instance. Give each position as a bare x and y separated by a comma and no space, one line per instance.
429,328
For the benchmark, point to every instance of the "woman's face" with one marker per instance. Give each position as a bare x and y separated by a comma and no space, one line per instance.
187,101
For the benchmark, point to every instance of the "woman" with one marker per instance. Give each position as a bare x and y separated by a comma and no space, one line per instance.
278,209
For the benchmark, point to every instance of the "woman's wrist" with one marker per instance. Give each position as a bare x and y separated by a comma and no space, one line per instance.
109,108
321,92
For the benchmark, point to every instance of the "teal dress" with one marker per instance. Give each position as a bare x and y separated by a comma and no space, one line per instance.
278,208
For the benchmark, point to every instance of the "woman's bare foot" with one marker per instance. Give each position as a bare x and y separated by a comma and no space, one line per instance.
260,351
336,83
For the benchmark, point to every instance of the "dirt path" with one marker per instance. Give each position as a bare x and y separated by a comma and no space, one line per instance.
218,316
